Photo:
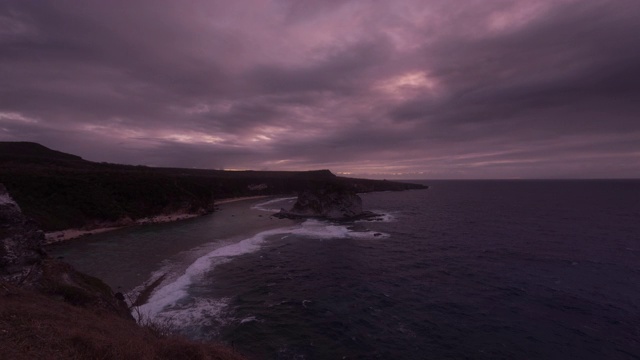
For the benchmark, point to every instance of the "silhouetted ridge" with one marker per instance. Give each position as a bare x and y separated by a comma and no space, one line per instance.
62,191
30,150
317,174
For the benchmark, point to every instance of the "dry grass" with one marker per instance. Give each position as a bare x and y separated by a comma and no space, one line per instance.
33,326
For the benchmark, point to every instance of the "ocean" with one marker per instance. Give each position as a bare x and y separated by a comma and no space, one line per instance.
464,270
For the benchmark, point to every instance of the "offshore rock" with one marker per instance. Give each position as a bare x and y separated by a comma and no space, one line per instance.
329,202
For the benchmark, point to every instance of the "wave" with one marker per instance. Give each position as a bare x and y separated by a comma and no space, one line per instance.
262,206
173,292
166,300
319,229
384,217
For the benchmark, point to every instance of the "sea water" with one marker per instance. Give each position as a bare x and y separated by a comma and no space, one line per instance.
465,269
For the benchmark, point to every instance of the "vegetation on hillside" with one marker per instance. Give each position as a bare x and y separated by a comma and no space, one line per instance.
49,310
62,191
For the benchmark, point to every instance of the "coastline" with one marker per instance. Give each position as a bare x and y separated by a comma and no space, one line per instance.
242,198
55,237
115,257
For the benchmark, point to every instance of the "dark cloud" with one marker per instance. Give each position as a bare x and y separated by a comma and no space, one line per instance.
340,72
411,88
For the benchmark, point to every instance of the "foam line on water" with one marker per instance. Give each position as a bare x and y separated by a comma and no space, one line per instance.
384,217
134,293
176,290
171,293
262,206
319,229
248,319
196,313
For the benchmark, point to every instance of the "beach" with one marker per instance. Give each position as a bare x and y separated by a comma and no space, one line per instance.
68,234
135,256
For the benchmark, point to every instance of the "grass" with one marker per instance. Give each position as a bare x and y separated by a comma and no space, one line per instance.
34,326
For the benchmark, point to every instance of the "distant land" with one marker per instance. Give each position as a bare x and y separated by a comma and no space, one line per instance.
63,191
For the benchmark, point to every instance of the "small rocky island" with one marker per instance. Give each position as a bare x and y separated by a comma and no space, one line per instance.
332,201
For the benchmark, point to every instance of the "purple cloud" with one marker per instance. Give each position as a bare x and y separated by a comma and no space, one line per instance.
413,89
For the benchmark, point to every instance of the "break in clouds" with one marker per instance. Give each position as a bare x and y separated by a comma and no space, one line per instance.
413,89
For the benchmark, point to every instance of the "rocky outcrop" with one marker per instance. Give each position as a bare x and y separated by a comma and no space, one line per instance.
24,262
48,310
329,202
21,252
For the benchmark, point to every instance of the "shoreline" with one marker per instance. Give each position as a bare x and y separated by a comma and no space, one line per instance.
55,237
242,198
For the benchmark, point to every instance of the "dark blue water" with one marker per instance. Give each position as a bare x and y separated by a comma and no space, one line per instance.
464,270
470,270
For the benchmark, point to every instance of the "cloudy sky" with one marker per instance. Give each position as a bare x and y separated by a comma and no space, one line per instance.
383,89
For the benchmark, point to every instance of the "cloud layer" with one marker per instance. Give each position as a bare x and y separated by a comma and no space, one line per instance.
413,89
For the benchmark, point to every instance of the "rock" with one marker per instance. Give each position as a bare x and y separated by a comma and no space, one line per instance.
20,243
24,262
329,202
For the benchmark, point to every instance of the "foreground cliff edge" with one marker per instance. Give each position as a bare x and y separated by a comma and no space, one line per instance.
48,310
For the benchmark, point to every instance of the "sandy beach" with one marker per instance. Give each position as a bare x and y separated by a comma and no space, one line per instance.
68,234
135,256
230,200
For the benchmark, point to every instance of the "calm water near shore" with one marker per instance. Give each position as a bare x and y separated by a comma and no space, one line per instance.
125,258
466,269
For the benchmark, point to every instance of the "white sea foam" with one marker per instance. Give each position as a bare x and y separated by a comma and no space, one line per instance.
165,300
387,217
170,293
323,230
248,319
368,235
384,217
263,206
198,312
134,293
320,230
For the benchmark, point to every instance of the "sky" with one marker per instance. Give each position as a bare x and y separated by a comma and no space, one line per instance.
403,89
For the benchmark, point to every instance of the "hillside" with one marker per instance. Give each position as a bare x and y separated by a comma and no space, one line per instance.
48,310
37,326
32,152
62,191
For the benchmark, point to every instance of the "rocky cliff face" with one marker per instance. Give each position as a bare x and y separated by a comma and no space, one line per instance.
24,262
21,253
48,310
329,202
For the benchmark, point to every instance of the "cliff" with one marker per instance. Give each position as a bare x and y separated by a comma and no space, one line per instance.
48,310
21,246
24,262
62,191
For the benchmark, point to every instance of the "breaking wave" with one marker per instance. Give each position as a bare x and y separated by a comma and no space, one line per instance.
172,299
